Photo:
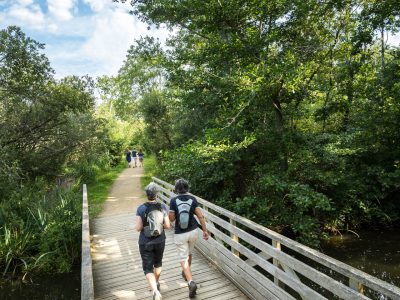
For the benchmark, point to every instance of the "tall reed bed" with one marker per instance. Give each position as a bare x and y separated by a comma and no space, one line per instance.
39,230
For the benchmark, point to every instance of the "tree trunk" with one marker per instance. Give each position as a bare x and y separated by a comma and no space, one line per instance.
383,47
280,130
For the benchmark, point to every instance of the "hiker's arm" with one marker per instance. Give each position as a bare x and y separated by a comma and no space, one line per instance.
200,216
171,216
139,223
167,224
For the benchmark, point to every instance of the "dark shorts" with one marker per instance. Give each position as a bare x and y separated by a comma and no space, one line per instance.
152,255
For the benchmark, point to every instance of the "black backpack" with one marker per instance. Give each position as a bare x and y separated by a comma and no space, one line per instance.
153,220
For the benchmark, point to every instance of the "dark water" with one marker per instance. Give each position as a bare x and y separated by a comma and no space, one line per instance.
50,287
374,252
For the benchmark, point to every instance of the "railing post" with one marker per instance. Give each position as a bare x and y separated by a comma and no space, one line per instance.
276,245
235,238
356,285
87,290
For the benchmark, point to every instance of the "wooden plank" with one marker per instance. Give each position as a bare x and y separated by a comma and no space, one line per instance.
252,279
277,246
323,280
355,285
234,238
87,290
118,273
244,286
296,285
263,255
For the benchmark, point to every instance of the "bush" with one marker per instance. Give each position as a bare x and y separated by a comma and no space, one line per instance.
221,174
212,168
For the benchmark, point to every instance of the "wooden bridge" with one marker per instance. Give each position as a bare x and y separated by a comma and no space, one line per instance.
241,260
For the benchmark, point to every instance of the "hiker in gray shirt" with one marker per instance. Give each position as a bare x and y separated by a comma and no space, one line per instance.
151,220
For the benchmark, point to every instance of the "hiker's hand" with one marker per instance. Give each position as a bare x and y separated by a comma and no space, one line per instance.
205,235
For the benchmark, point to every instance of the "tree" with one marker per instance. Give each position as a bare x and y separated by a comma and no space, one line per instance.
300,86
42,121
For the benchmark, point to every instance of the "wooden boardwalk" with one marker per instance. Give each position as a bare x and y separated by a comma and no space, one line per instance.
117,270
261,262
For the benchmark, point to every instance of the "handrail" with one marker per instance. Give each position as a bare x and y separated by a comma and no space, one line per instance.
282,267
87,291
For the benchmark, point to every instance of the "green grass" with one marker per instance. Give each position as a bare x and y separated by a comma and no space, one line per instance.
99,188
150,169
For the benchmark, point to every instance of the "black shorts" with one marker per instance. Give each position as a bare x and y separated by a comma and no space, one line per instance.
152,255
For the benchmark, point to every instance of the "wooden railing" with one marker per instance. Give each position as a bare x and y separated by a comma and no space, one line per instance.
268,265
87,291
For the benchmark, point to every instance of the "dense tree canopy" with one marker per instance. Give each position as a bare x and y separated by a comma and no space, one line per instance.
284,111
42,121
50,135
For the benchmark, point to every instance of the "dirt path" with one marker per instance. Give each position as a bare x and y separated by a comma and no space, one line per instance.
125,194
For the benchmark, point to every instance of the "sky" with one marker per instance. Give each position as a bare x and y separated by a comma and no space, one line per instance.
81,37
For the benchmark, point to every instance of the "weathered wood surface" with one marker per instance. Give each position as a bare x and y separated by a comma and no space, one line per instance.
261,265
86,267
118,274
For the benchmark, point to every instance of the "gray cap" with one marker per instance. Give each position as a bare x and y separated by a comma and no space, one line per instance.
151,190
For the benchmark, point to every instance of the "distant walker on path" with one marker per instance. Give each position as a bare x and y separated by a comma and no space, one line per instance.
134,157
128,157
141,156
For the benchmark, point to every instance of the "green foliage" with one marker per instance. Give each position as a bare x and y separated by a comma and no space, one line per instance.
40,230
120,131
150,170
44,124
288,107
99,187
48,131
217,167
61,236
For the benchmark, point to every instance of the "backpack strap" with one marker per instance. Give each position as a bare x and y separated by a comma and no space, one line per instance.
144,218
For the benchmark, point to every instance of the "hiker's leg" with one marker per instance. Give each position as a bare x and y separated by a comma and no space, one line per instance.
146,252
182,247
190,259
192,238
157,273
185,244
186,269
151,280
157,259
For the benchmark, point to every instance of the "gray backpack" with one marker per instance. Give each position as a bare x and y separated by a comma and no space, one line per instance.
153,221
184,212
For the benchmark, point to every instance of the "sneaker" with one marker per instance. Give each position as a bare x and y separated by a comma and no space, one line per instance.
184,276
157,296
192,289
158,286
